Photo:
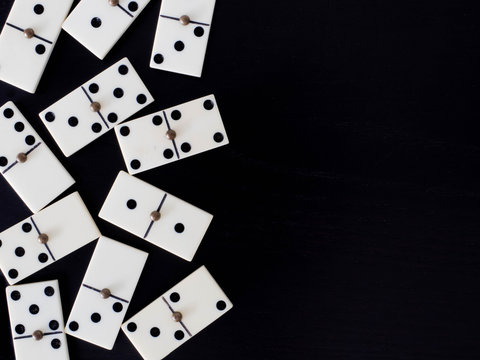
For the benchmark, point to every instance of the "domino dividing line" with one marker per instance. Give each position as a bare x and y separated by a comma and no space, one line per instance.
22,30
125,10
173,141
112,296
44,334
91,101
46,245
191,21
158,209
181,322
16,161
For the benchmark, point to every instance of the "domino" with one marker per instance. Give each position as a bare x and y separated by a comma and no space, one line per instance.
28,38
106,292
99,24
95,107
46,237
172,134
36,319
155,216
177,316
26,162
182,35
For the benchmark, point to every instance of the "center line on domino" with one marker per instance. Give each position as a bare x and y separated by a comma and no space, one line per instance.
173,140
33,148
173,311
48,249
16,161
53,333
99,291
191,21
39,233
45,334
22,30
22,337
125,10
158,210
35,226
11,166
91,102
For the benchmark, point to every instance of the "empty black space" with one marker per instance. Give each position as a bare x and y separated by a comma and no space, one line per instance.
347,204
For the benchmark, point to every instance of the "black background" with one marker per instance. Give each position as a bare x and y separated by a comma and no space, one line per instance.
347,203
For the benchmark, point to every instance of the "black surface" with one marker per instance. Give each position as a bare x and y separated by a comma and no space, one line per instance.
347,204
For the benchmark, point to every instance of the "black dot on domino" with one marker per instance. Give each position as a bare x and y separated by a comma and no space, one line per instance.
96,317
3,161
179,228
73,121
8,113
34,309
141,99
40,49
157,120
0,243
19,251
133,6
176,115
117,307
29,140
53,325
27,227
124,131
131,204
155,332
218,137
73,326
49,116
49,291
158,59
132,327
19,127
96,127
56,344
93,88
112,117
186,147
38,9
43,258
221,305
12,274
15,295
96,22
123,69
179,46
208,104
174,297
199,31
135,164
20,329
118,93
179,335
168,154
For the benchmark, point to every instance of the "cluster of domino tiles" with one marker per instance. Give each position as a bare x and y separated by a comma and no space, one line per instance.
57,229
33,26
